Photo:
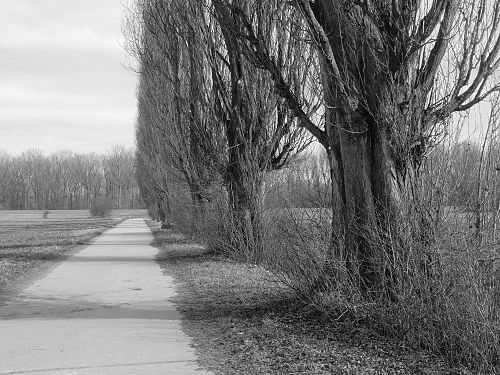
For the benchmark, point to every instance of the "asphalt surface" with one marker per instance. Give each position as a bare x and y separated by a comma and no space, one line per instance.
106,310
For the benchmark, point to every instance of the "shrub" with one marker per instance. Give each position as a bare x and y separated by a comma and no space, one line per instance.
101,207
444,284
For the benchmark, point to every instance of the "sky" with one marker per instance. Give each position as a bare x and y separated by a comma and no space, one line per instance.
64,77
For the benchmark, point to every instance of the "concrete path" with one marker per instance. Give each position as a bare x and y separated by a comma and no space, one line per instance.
106,310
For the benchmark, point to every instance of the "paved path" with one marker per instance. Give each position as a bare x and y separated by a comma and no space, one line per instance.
106,310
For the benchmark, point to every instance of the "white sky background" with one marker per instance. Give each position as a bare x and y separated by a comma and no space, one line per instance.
64,83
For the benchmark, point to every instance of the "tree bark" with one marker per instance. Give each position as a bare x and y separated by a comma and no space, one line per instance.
365,190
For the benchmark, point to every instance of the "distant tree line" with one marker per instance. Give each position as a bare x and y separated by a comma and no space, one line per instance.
472,174
67,180
463,173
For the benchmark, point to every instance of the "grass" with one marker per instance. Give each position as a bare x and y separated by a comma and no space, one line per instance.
30,244
244,321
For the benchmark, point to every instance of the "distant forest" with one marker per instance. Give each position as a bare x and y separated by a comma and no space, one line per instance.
67,180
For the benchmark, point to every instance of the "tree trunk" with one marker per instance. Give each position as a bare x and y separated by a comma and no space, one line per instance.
198,208
246,199
163,206
244,177
161,212
365,191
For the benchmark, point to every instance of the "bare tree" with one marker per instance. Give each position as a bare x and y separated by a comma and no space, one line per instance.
393,73
218,115
170,94
119,173
5,176
88,172
152,160
65,180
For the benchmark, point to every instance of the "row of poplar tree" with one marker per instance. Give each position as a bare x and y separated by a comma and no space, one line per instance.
232,91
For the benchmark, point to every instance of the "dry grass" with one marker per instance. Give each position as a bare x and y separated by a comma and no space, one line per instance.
244,321
30,245
445,292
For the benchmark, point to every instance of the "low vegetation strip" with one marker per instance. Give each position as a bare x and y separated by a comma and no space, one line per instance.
244,321
30,244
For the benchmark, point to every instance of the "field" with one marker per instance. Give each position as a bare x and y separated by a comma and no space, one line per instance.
31,244
14,216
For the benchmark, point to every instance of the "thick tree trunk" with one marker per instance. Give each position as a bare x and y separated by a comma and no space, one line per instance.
244,177
359,205
365,190
167,208
198,209
161,212
246,205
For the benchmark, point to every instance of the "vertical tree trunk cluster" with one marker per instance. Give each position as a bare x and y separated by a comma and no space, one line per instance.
234,87
211,118
387,90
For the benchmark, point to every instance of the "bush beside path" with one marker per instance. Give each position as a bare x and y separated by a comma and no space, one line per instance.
243,321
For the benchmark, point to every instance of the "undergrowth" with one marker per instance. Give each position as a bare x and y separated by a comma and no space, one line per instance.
244,319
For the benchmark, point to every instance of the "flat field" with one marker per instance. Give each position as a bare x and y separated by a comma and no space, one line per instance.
30,244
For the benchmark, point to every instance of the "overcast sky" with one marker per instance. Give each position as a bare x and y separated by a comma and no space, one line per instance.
63,77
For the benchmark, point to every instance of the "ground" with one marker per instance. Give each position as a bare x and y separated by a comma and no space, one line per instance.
105,310
244,321
241,318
